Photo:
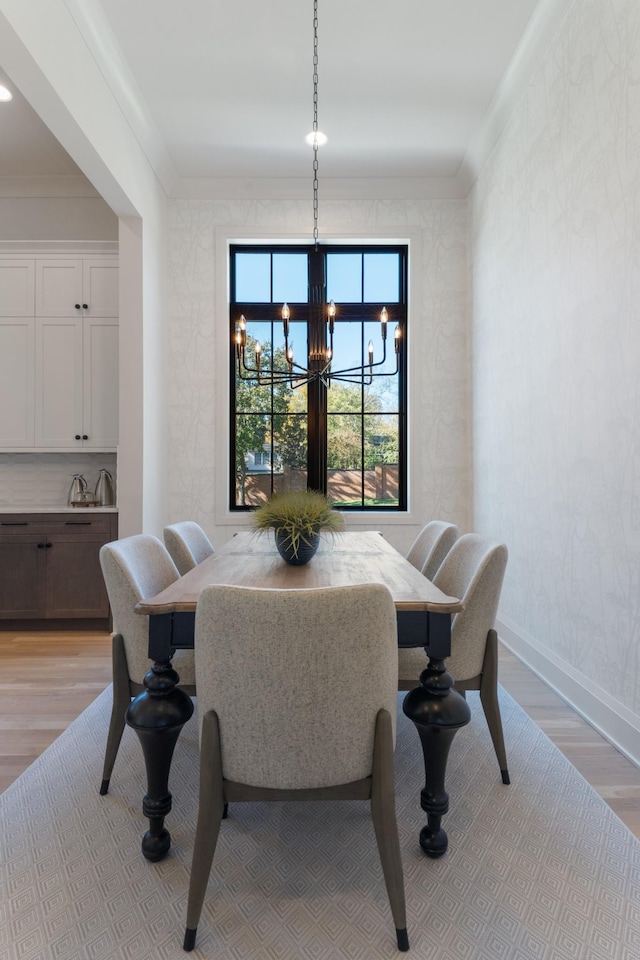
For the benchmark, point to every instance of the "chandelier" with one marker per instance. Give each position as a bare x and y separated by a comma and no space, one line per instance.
320,358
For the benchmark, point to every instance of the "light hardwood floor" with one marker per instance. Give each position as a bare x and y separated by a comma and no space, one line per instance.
48,678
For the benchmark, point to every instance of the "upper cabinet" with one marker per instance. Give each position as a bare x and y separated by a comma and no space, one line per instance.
59,362
17,382
65,288
17,289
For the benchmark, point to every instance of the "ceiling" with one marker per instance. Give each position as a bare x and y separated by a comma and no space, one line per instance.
405,86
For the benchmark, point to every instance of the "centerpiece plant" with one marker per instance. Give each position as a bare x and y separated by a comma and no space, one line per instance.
297,517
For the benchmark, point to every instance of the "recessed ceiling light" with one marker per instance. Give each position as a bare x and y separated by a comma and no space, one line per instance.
5,94
317,137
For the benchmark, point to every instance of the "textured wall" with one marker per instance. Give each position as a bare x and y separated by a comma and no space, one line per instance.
556,351
438,315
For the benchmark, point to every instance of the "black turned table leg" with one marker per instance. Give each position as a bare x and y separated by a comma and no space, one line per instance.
438,712
157,715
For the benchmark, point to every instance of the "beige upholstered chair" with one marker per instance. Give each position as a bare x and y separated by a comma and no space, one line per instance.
188,545
431,546
285,715
473,570
134,568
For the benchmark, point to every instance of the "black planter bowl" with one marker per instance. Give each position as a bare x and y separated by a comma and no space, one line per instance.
306,549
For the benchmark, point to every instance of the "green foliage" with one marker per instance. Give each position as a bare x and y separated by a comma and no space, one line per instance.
299,515
276,417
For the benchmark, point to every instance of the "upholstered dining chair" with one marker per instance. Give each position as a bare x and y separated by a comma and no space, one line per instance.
188,544
285,715
431,546
473,570
134,568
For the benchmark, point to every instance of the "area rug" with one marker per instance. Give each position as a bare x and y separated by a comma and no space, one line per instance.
539,870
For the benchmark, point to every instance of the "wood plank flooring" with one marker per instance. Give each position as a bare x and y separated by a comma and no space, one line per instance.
48,678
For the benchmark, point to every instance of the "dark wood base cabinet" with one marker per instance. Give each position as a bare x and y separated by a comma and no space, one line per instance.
50,566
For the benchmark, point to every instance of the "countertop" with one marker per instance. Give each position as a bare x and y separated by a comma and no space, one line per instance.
56,509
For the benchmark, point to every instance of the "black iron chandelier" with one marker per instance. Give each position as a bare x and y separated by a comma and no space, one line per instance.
320,354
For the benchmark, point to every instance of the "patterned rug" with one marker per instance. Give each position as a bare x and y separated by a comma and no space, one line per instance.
539,870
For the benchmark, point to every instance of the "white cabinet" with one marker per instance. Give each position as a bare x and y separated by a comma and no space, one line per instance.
17,342
59,353
17,288
68,287
76,391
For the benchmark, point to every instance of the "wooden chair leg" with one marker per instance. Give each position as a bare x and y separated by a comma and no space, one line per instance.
121,701
489,700
383,814
211,808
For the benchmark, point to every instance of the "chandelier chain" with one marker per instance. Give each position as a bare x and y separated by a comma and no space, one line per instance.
320,360
315,122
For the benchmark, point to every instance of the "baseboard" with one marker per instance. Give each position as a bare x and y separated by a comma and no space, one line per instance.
617,724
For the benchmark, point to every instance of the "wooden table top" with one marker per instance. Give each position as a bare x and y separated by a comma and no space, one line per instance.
342,559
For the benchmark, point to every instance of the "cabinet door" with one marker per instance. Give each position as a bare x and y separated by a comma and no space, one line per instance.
17,288
58,389
100,287
17,343
75,586
22,577
100,377
58,288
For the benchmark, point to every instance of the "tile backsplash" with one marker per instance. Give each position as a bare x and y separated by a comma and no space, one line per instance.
43,479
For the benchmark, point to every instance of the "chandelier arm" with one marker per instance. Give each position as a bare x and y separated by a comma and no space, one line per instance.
367,367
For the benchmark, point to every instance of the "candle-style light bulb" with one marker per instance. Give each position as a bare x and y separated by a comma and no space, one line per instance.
242,330
370,352
396,338
258,349
384,316
286,314
329,354
331,315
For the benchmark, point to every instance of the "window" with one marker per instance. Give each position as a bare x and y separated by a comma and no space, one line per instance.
347,439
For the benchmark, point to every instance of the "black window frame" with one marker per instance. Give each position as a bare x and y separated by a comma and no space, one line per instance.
313,312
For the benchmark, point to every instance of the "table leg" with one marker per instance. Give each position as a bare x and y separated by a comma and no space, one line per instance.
438,711
157,715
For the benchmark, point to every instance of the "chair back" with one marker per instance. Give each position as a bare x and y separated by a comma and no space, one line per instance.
473,570
431,546
134,568
283,670
188,544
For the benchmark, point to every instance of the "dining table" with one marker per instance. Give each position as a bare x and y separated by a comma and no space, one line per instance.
424,615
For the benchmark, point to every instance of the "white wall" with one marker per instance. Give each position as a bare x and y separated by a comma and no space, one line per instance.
54,208
556,365
198,346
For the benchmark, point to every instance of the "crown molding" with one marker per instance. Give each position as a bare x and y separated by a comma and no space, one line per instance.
536,39
58,248
360,188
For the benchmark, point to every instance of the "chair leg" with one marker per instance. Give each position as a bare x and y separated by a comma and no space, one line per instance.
121,701
211,808
383,814
489,700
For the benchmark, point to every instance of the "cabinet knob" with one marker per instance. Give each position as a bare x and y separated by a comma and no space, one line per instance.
85,436
77,306
41,546
78,437
85,306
